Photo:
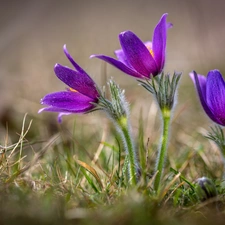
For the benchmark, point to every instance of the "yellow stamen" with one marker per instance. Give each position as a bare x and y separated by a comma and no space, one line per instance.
150,50
71,89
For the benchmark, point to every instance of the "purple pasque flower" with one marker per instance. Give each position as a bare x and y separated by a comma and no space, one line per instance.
138,59
80,95
211,91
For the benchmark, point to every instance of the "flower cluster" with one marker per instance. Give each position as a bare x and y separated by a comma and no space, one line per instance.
138,59
145,61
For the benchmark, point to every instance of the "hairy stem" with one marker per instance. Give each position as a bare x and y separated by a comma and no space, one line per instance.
222,150
163,148
130,149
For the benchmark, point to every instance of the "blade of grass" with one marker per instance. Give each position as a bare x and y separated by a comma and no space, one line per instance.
91,170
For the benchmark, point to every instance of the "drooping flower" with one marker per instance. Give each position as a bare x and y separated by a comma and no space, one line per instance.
211,91
140,59
80,95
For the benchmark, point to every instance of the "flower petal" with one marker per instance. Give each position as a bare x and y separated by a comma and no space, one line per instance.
81,82
60,116
66,101
122,57
159,41
200,84
76,66
119,65
54,109
137,54
215,94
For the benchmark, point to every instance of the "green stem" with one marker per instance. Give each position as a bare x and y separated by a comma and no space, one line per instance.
223,158
130,150
166,114
223,175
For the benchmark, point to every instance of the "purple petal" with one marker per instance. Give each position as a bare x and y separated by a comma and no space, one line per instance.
159,41
122,57
53,109
200,84
60,116
169,25
66,101
215,95
77,67
80,82
137,54
119,65
61,111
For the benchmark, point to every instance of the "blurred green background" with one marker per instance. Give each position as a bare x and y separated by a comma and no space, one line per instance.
32,34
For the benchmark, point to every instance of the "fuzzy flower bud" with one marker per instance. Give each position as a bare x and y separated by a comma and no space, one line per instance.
118,108
205,188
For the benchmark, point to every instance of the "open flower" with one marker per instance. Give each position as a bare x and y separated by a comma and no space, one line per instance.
140,59
80,95
211,91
